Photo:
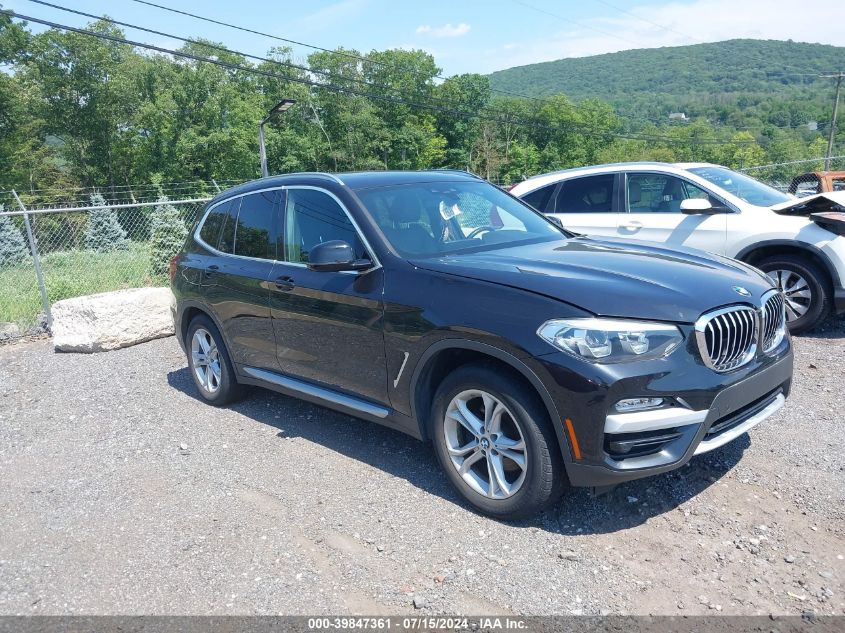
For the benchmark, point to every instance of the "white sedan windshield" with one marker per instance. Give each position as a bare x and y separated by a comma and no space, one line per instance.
743,187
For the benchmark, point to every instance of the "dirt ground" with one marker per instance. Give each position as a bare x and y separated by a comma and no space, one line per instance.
124,494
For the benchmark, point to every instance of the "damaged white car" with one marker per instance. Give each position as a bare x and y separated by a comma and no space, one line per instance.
800,243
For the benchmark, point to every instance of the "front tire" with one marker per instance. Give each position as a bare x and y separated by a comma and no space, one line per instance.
495,443
804,286
209,363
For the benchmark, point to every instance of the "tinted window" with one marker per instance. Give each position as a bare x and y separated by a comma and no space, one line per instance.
661,193
539,199
255,225
210,231
313,217
433,218
227,234
591,194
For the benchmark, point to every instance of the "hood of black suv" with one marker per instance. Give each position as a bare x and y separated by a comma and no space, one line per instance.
614,277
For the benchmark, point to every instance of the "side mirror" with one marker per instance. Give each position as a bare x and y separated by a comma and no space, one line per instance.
700,206
335,256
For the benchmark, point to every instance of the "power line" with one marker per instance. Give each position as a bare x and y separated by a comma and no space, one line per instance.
336,77
647,21
213,46
367,60
692,37
571,21
345,54
253,70
343,89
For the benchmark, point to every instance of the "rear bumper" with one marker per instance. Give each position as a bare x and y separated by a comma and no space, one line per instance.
175,315
733,412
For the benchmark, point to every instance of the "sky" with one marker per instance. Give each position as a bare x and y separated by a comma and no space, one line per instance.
471,35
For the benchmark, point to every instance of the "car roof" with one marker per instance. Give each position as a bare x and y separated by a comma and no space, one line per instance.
535,182
353,179
604,167
367,179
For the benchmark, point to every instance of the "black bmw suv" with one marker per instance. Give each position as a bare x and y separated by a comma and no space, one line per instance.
439,305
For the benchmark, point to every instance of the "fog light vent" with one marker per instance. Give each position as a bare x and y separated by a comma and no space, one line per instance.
638,404
625,445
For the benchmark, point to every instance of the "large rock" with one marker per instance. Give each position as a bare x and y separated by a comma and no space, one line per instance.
112,320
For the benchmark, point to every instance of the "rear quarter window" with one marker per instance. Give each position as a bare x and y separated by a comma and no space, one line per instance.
539,198
210,231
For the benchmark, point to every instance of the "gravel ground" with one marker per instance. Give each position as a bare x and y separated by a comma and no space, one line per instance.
122,493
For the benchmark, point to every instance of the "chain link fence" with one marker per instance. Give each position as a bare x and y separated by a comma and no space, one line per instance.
69,243
802,177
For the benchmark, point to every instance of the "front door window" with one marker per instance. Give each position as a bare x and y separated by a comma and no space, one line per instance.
661,193
313,217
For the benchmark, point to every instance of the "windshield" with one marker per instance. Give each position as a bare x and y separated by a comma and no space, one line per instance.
742,186
437,218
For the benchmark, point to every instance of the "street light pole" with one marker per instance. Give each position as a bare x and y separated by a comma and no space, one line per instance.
283,105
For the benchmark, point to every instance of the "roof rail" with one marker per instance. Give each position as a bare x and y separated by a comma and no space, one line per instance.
457,171
323,174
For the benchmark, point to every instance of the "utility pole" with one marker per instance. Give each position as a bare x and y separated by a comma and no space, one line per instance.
283,105
833,121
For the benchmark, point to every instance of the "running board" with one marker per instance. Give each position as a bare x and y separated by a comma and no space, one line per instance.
318,392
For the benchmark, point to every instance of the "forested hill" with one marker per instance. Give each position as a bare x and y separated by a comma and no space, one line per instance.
679,75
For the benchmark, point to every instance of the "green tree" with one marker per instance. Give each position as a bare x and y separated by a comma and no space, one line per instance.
13,248
167,236
523,161
104,233
745,152
468,93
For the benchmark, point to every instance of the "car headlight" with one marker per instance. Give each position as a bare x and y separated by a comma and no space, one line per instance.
611,340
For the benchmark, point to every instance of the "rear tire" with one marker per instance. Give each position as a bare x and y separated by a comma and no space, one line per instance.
488,425
805,287
209,363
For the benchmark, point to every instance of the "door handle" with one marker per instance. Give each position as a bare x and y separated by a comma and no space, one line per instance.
285,283
210,270
633,225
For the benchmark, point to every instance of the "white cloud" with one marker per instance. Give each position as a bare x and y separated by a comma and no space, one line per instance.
447,30
686,23
331,14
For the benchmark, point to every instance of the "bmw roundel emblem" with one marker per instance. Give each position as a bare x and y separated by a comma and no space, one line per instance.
741,291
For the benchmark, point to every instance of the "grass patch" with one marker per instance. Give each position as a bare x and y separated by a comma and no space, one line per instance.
72,274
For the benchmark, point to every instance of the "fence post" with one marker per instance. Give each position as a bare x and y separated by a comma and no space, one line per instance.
36,260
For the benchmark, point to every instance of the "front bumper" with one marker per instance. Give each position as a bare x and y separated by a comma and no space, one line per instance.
714,409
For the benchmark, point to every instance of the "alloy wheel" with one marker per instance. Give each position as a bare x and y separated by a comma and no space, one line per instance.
796,292
205,359
485,444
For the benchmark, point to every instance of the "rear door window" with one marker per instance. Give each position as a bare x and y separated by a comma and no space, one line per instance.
589,194
256,226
